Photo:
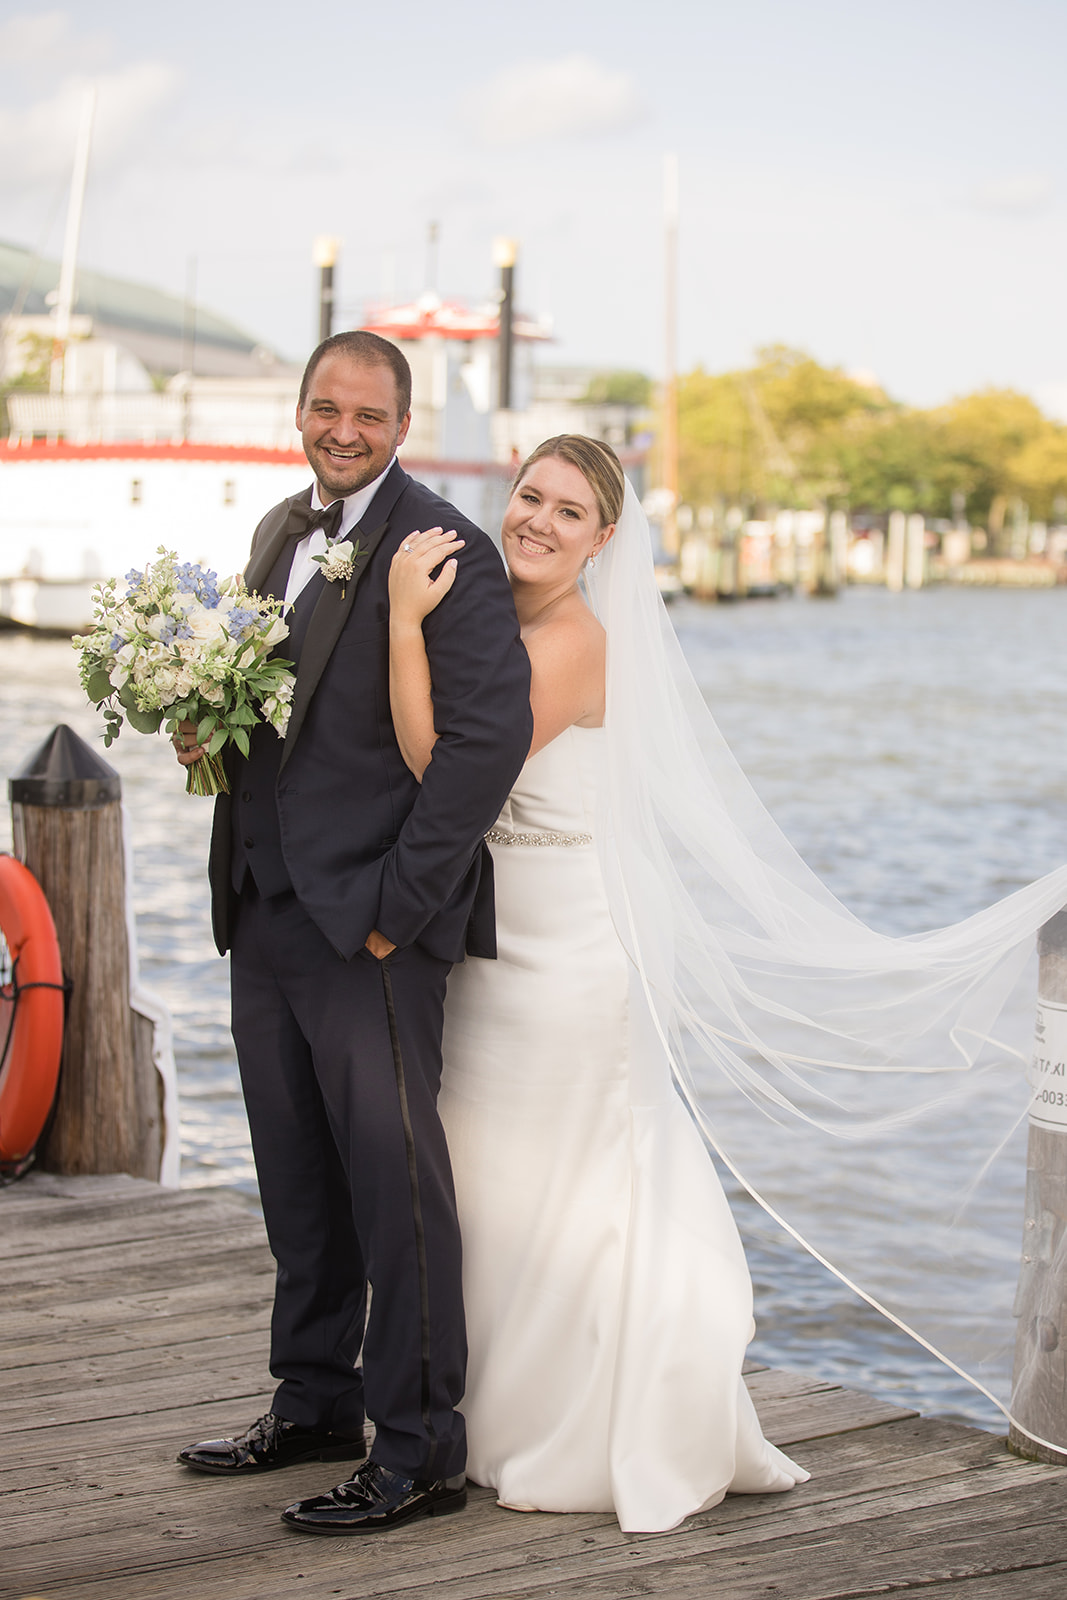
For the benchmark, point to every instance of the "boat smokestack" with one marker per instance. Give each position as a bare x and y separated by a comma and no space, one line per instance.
324,255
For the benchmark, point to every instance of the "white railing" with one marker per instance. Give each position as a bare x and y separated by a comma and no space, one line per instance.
248,419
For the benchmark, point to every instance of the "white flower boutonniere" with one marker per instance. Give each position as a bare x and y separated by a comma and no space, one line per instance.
339,561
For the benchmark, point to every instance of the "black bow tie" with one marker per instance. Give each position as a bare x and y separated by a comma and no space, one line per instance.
302,520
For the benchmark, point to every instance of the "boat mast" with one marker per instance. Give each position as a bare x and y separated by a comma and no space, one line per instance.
670,354
65,293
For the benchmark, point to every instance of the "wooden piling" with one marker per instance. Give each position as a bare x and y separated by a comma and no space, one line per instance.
698,556
67,827
896,542
839,539
728,567
1039,1386
915,551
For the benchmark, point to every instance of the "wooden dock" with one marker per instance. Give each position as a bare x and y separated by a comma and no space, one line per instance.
135,1320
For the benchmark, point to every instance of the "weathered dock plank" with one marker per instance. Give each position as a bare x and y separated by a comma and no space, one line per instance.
134,1320
31,1351
31,1310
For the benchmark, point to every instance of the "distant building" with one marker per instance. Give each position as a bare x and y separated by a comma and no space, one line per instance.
160,331
454,353
559,404
127,369
138,450
257,412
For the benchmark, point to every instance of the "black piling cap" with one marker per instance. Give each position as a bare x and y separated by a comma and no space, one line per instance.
65,772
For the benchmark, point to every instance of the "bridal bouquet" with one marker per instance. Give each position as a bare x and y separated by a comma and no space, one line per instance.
177,645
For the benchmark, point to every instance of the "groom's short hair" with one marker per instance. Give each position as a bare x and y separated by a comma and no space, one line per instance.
370,350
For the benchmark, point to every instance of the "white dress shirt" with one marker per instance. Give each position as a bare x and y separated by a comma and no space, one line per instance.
313,544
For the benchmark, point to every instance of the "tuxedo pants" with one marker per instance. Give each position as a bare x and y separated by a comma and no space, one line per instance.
340,1065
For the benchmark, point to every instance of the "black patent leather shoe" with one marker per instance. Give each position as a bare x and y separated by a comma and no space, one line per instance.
270,1442
375,1499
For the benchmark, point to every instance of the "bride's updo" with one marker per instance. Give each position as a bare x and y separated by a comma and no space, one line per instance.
597,463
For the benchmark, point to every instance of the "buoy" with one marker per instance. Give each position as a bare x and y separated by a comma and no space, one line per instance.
31,1012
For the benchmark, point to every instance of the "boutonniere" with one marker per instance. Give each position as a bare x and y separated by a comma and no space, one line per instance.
339,561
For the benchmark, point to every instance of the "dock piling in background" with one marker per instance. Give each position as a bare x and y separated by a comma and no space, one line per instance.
1039,1384
67,827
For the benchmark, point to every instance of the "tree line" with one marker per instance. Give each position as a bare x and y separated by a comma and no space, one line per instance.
790,432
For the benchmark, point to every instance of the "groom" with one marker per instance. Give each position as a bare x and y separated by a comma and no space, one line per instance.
344,890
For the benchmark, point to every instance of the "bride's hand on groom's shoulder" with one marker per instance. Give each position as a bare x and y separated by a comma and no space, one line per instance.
413,592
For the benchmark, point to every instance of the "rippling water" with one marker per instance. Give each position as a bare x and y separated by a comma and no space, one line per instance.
913,748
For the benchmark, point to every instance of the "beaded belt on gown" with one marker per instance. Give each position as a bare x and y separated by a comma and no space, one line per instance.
505,836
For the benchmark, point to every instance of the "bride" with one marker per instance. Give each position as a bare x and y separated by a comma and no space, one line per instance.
662,942
608,1301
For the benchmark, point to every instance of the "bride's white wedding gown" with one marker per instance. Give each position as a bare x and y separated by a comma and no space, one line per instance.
608,1300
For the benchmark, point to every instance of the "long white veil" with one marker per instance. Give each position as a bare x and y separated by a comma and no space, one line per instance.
804,1041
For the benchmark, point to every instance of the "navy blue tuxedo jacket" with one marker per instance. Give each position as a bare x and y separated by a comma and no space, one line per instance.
366,846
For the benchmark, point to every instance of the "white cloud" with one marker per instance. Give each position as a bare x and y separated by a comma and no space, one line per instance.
1021,194
44,46
38,139
25,39
572,97
48,64
1052,398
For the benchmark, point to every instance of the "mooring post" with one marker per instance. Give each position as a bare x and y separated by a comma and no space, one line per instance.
67,825
1039,1385
895,551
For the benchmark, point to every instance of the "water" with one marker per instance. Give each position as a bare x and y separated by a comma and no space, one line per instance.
913,748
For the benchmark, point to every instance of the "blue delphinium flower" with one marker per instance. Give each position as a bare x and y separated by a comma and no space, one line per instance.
241,617
172,630
117,642
193,580
134,578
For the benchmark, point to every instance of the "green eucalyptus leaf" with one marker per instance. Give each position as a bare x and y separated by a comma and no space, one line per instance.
143,721
99,686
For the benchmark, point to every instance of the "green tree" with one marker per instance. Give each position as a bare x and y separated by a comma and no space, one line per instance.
1040,470
33,356
789,430
32,362
890,461
774,432
980,438
718,451
618,388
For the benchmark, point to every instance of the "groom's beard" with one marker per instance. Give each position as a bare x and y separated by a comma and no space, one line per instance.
338,478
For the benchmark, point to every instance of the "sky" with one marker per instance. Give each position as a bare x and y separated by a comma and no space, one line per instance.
883,186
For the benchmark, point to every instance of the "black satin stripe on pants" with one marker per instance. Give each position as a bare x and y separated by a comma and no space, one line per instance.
340,1065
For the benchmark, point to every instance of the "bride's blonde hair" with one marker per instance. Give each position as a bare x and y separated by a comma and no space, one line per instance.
597,463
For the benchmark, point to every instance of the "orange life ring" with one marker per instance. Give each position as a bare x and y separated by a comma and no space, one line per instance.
31,1012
